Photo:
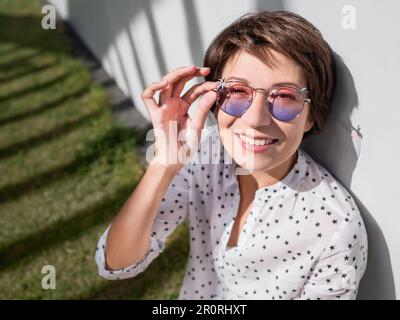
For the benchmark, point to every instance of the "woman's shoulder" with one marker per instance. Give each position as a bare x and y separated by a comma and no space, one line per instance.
334,205
320,183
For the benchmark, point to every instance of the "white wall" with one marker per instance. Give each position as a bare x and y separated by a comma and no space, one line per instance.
139,41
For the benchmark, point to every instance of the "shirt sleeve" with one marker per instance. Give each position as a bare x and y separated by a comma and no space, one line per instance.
340,267
173,210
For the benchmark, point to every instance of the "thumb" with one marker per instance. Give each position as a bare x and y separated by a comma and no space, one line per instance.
204,105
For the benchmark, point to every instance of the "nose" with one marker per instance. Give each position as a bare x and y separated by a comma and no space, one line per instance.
258,113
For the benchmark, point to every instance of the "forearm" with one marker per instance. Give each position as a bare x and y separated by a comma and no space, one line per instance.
129,236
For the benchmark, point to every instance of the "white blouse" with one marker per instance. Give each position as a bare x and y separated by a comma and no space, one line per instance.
303,239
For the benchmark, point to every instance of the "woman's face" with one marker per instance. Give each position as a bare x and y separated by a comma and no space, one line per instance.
257,120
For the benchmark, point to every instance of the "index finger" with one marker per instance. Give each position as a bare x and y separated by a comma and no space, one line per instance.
173,77
148,94
194,92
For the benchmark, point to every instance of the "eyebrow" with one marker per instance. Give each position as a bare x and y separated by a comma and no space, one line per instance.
285,83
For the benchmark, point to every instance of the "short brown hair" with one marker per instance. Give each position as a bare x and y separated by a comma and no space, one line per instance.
292,36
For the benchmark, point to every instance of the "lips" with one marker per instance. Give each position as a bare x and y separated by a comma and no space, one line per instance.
256,137
257,140
258,143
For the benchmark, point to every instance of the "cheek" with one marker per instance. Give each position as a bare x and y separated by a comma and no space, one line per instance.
297,127
224,120
294,131
225,123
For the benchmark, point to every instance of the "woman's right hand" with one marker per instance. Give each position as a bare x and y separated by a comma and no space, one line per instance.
176,134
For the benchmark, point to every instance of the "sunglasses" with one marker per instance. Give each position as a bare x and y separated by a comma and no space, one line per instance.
284,102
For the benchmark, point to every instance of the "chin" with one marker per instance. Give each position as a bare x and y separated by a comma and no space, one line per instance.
253,164
253,161
246,159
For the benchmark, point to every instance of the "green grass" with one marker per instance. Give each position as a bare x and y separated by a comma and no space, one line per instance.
66,169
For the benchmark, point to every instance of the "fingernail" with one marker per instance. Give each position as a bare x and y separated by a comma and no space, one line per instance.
202,68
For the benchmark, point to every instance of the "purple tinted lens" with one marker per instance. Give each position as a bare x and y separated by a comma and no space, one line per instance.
286,105
284,111
236,100
236,106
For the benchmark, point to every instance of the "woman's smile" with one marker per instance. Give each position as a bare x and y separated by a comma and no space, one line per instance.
256,144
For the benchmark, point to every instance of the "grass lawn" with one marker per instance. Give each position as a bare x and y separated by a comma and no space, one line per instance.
66,169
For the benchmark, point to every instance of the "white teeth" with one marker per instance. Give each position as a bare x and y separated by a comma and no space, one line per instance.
257,142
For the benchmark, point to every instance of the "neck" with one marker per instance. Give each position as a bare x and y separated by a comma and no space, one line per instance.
262,179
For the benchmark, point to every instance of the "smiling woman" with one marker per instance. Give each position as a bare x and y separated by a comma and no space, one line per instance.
259,122
286,228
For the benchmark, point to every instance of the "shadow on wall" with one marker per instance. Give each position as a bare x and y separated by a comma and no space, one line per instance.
337,148
113,20
111,26
334,148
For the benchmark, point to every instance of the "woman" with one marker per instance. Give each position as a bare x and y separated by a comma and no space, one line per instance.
272,223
